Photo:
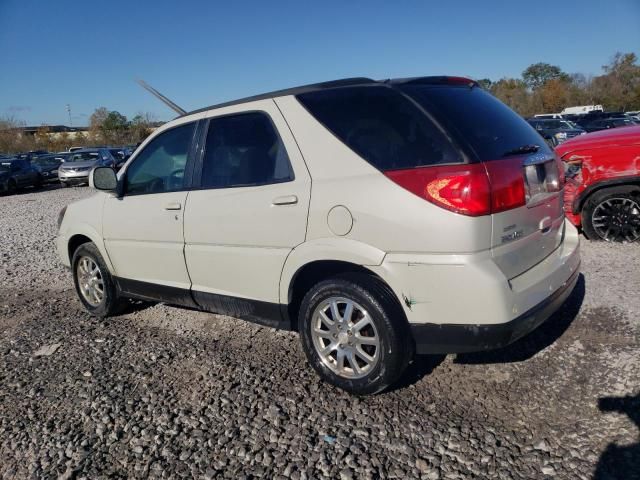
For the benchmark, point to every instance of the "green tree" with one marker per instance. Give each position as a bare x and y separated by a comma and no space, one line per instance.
619,87
536,75
513,92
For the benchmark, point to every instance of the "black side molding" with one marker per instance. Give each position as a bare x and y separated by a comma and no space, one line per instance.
463,338
256,311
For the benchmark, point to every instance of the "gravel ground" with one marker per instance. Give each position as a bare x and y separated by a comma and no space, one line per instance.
161,392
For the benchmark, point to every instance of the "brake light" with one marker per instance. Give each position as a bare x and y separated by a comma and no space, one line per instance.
507,184
472,189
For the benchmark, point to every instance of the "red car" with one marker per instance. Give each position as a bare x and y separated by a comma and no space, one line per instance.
602,193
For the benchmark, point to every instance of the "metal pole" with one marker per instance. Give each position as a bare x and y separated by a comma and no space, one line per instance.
69,112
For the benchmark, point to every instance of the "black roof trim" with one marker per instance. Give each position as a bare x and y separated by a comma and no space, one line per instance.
345,82
290,91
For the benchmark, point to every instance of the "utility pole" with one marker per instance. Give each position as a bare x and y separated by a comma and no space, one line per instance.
69,112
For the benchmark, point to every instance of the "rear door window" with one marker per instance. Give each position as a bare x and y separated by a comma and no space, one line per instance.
244,150
382,126
482,122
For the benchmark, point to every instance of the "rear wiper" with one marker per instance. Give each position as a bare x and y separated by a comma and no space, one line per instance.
523,149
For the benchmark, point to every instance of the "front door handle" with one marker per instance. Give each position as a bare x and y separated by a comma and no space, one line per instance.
173,206
286,200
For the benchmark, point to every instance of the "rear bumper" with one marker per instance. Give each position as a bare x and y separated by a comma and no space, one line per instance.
462,303
460,338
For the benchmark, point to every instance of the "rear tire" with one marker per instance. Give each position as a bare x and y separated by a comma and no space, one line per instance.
94,284
613,215
361,357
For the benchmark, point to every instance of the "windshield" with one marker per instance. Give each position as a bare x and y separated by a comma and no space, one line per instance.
490,128
83,156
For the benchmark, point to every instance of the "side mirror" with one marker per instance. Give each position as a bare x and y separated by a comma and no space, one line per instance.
103,178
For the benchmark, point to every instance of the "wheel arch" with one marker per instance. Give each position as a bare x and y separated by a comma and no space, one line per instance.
315,261
632,182
85,234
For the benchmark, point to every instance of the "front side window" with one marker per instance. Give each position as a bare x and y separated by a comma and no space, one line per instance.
244,150
160,166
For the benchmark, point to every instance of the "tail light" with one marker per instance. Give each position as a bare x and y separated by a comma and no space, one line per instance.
471,189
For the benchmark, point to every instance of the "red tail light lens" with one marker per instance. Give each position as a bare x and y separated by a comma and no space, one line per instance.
472,189
507,184
462,189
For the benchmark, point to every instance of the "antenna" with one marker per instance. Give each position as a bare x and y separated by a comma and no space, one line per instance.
161,97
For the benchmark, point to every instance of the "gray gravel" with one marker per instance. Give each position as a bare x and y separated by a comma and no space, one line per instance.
166,393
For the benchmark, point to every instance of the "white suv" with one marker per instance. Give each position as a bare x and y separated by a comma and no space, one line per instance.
376,218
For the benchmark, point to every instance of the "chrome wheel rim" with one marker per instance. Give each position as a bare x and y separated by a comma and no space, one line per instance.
617,220
90,281
345,338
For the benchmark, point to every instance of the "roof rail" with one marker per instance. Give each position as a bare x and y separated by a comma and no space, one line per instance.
290,91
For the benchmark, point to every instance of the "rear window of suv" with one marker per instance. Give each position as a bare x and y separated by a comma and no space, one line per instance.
382,126
482,122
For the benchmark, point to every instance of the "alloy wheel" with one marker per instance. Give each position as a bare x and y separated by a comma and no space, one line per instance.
345,337
90,281
617,219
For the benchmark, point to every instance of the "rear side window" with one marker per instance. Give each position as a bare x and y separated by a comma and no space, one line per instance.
382,126
244,150
482,122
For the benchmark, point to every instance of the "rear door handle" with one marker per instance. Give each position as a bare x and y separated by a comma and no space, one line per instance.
173,206
286,200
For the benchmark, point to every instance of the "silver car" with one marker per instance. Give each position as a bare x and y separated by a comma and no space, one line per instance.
75,170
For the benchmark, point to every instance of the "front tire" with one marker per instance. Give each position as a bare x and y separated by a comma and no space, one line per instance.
613,215
354,333
94,285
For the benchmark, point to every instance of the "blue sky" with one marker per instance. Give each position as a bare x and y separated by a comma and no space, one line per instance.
87,53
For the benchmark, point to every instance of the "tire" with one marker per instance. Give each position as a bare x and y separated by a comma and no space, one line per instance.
388,324
38,183
64,185
105,305
614,210
12,186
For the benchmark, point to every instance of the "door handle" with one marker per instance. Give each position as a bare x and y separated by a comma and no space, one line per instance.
173,206
285,200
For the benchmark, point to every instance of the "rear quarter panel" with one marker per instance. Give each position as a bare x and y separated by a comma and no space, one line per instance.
385,216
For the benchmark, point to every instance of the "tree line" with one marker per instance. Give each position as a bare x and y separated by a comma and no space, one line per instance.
106,127
546,88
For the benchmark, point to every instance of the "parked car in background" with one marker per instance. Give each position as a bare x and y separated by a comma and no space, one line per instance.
548,115
607,123
16,174
32,155
121,154
462,247
555,131
75,170
47,166
582,109
602,193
